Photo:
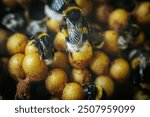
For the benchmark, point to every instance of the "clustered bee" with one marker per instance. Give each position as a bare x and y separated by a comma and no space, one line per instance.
93,92
128,36
95,37
74,27
44,46
140,62
13,22
74,23
90,91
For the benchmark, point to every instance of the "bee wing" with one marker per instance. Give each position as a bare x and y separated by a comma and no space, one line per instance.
57,4
74,31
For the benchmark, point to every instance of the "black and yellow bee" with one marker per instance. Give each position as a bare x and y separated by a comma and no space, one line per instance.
13,22
140,63
129,36
74,27
95,36
94,92
43,43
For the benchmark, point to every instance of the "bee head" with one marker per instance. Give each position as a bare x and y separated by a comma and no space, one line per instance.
74,14
133,30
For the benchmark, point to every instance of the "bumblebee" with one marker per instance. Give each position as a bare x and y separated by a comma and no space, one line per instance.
13,22
140,63
44,45
95,36
93,91
74,27
128,36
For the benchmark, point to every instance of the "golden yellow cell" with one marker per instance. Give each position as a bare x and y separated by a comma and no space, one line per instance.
53,25
120,69
86,6
15,67
60,60
111,42
82,58
80,76
60,42
100,63
142,12
30,48
73,91
103,12
107,84
118,19
56,81
16,43
34,68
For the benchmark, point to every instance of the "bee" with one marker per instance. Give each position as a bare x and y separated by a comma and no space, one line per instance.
55,8
74,27
93,91
95,36
13,22
43,43
140,63
129,36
